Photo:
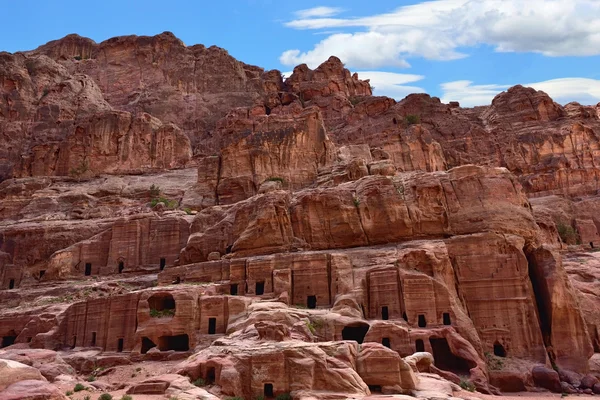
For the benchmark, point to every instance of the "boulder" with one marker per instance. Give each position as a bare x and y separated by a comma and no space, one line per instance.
546,378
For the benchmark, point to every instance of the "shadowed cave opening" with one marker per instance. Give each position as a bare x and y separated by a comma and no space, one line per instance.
311,302
385,315
176,343
212,326
161,302
8,340
210,376
422,321
446,360
355,332
120,345
233,289
93,341
88,269
268,390
121,266
542,297
260,288
499,350
419,345
386,342
446,318
147,344
11,284
163,263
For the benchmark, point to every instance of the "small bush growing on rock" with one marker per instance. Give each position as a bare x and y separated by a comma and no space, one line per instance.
283,396
275,179
188,211
154,190
78,388
69,393
412,119
567,233
170,204
91,378
466,385
126,397
493,362
161,313
199,382
105,396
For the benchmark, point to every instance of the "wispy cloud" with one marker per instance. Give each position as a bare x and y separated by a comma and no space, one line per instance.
392,84
445,29
318,12
562,90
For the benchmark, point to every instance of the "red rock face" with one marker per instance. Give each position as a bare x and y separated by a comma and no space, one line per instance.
162,201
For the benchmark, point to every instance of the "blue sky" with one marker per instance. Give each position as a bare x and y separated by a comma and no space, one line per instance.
465,50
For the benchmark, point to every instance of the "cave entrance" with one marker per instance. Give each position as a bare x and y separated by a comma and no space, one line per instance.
176,343
93,341
11,284
42,273
311,301
120,345
386,342
592,245
121,266
8,340
260,288
499,350
268,390
422,321
356,332
212,326
210,376
446,318
404,316
385,313
446,360
163,263
74,342
88,269
233,289
161,302
419,345
375,388
147,344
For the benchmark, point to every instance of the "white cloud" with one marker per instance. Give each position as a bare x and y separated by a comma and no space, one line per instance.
318,12
392,84
440,29
563,90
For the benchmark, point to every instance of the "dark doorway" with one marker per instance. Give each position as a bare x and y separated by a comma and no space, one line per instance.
228,249
176,343
29,339
8,340
260,288
311,301
422,321
212,326
592,245
163,263
386,342
147,344
356,333
120,344
11,284
419,345
88,269
395,121
268,390
210,376
42,273
446,318
446,360
499,350
375,388
233,289
74,342
404,317
121,266
93,342
384,313
161,302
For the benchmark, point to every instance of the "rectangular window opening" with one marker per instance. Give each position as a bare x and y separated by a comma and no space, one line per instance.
260,288
212,326
88,269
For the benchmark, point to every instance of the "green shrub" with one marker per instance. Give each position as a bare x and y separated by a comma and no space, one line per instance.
161,313
466,385
126,397
356,201
199,382
275,179
355,100
78,388
91,378
87,397
283,396
105,396
259,397
80,170
235,398
78,58
494,362
412,119
567,233
69,393
154,190
188,211
170,204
